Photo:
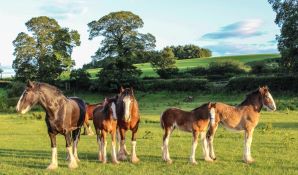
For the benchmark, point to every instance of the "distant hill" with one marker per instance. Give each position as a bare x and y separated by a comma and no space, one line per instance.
195,62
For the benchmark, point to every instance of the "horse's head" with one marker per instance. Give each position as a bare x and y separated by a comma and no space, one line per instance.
28,99
110,103
126,98
267,99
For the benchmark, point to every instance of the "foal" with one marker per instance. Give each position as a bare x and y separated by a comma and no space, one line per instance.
89,116
63,116
128,119
243,117
105,121
195,121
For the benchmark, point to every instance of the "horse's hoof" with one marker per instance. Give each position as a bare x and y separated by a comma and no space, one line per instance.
135,160
249,161
73,165
213,158
208,159
77,159
115,162
52,166
194,162
169,161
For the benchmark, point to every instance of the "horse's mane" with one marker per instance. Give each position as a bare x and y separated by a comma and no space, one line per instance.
250,95
200,106
53,88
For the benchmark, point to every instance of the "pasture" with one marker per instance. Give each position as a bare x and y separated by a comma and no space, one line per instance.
25,146
195,62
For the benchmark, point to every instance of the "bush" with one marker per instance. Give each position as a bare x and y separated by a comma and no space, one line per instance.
261,67
225,67
15,89
168,72
198,71
175,85
280,83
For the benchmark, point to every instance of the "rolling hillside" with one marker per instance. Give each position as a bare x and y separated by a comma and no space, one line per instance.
189,63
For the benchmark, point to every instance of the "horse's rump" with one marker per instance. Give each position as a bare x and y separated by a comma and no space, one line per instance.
82,107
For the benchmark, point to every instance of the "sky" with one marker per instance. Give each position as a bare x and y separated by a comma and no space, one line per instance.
227,27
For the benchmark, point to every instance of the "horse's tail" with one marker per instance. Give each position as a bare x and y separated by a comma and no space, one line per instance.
82,106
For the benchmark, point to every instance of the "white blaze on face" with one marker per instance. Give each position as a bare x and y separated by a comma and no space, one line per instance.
272,105
113,106
127,102
212,115
19,102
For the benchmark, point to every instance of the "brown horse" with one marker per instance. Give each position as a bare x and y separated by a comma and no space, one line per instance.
89,116
63,116
105,121
128,119
243,117
195,121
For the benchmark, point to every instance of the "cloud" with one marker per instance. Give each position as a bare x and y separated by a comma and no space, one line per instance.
241,29
63,9
228,48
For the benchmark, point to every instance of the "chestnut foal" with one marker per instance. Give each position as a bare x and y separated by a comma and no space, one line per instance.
195,121
105,121
89,116
243,117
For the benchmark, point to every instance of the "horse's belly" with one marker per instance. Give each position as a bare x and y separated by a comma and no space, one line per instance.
232,125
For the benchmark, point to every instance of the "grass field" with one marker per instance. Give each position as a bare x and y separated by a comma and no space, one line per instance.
190,63
25,146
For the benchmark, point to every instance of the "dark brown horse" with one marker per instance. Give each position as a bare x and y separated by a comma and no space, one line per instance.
128,119
243,117
105,121
89,116
195,121
63,116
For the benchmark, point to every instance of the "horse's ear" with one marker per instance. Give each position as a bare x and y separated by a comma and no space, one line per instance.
30,84
121,89
105,101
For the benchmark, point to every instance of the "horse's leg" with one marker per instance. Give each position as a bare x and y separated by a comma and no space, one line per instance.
99,146
205,147
122,152
210,136
194,147
165,149
76,138
247,143
54,163
114,154
88,128
103,139
72,161
134,158
85,128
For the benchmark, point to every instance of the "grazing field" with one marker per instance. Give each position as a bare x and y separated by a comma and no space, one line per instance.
190,63
25,146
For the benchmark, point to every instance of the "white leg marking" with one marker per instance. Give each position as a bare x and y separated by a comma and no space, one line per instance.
134,158
114,156
104,151
54,163
205,147
193,152
72,161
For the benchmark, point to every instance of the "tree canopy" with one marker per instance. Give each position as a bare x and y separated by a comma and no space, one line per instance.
190,51
46,53
120,35
287,20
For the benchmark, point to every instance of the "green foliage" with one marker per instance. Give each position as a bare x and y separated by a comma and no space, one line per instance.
226,67
163,63
286,18
190,51
175,85
15,89
262,67
279,83
47,53
121,36
81,78
117,73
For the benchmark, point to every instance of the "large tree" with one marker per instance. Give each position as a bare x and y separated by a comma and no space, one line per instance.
287,20
46,53
121,38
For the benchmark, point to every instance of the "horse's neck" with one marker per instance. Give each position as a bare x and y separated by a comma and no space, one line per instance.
252,102
51,103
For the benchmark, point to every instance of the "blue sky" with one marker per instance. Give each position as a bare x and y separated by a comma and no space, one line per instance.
227,27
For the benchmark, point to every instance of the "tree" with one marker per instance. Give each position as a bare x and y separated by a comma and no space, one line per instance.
163,63
45,54
190,51
287,20
121,36
118,73
81,78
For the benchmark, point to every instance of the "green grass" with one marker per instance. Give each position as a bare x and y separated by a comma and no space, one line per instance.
25,146
204,62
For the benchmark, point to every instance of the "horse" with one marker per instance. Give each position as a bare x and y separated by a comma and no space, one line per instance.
89,116
128,117
63,116
195,121
243,117
105,121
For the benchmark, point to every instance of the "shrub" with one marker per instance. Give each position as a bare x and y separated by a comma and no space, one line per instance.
200,71
261,67
15,89
167,72
224,67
